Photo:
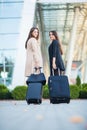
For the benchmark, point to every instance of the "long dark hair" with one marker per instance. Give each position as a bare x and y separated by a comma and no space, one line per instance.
30,35
55,34
57,38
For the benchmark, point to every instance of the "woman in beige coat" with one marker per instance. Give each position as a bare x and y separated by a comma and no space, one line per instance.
33,52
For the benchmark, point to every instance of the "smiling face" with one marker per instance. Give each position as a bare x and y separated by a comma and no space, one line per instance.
52,37
35,33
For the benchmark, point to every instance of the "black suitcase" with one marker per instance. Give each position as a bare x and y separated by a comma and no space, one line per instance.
34,93
59,89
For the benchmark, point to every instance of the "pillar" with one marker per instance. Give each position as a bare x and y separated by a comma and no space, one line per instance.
72,43
85,72
26,24
84,57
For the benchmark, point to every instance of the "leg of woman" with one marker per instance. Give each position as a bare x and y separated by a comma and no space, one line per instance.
62,72
25,80
56,71
51,71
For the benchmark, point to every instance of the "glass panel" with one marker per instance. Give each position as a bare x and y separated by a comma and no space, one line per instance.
7,60
10,18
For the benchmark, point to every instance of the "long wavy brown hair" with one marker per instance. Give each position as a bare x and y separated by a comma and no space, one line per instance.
30,35
57,38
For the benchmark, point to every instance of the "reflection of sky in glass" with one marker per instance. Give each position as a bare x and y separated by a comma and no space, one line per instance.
10,16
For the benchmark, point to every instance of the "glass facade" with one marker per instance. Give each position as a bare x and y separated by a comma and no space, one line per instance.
10,17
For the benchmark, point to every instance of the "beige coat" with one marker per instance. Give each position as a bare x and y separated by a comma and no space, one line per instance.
33,55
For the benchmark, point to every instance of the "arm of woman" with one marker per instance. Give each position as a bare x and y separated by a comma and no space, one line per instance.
54,54
53,63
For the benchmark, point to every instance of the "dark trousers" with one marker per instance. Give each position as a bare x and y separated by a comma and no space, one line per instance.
56,71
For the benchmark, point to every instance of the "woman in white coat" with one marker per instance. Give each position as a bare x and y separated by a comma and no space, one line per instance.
33,52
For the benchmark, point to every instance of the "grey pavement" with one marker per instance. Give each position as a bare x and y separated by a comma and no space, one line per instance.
17,115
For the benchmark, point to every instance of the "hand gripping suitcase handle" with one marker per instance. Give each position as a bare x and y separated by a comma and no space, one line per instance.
39,68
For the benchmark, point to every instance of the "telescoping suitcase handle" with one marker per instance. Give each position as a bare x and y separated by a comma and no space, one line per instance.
60,73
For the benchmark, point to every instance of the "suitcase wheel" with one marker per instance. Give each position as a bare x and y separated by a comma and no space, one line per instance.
28,102
34,101
39,101
68,100
59,100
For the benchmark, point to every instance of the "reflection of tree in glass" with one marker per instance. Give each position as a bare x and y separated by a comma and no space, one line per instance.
6,62
9,66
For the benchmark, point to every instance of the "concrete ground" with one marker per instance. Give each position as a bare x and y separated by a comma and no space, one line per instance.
17,115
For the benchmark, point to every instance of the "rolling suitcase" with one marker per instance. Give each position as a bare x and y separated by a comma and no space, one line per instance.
35,83
34,93
59,89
